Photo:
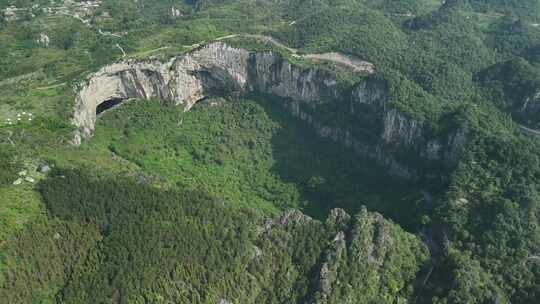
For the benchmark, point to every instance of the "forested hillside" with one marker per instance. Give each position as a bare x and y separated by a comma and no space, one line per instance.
240,200
140,244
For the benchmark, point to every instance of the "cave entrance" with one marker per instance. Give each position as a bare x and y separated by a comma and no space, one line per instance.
107,104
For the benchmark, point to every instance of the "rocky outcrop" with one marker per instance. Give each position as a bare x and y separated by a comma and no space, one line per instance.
175,12
43,40
526,113
181,81
366,244
531,105
328,276
359,117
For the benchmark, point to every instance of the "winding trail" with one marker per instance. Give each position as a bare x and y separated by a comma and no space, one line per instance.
108,34
121,49
99,31
356,64
150,51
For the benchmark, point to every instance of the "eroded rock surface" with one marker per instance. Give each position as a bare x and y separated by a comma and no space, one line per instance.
374,128
531,105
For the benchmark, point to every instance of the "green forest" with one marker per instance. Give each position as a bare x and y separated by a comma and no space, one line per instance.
237,200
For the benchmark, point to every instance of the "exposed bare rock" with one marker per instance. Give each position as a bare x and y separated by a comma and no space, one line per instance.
181,81
257,252
532,103
371,238
44,40
330,268
11,13
338,218
175,12
529,113
294,217
218,68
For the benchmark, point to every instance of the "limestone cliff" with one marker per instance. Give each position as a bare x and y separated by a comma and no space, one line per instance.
532,103
359,117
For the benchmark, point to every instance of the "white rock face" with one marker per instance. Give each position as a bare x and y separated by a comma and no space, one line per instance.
175,12
399,128
44,40
274,75
531,104
176,81
305,93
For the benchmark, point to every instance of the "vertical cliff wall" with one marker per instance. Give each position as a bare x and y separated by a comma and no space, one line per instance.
359,117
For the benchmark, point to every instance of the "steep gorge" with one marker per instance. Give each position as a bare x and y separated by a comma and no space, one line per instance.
358,116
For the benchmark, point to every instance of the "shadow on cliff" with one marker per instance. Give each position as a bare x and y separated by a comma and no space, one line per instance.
330,175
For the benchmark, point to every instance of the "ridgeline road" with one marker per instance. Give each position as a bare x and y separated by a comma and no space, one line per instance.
352,62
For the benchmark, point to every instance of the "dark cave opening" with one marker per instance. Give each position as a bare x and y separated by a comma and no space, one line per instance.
107,104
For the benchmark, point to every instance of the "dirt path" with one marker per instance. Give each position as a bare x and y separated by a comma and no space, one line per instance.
530,131
492,15
51,86
121,50
225,37
352,62
271,40
355,63
102,33
99,31
154,50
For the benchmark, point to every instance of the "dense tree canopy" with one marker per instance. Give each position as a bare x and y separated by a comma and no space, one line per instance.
163,206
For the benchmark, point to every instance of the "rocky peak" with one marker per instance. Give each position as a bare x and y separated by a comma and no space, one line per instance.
338,218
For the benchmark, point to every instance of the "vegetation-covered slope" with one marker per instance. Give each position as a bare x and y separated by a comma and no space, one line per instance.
184,230
117,240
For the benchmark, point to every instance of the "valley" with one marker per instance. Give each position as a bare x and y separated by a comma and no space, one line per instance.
264,151
249,155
